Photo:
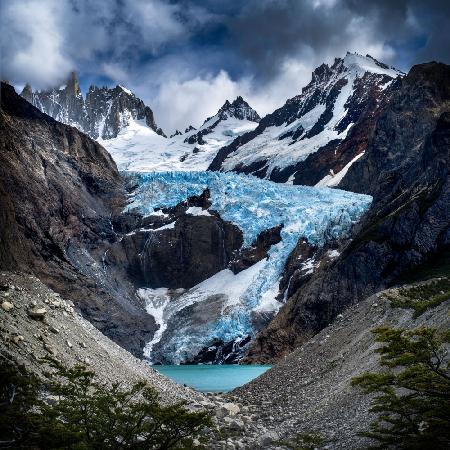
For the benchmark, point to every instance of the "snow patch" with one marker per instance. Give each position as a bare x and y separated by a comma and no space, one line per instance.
332,180
197,211
139,148
169,226
156,301
124,89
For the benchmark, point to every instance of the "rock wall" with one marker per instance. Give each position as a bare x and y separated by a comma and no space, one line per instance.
406,168
59,191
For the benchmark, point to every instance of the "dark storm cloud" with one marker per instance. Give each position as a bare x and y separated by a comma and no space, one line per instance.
266,32
175,52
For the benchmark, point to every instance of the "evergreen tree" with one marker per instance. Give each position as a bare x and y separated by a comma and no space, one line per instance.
19,406
412,396
86,414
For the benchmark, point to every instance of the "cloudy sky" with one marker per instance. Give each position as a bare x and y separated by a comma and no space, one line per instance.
185,57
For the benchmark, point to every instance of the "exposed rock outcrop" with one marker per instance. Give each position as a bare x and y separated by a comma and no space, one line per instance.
102,114
248,256
59,191
406,168
177,251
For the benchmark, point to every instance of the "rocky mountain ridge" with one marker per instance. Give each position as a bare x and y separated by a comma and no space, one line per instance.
406,167
312,140
320,132
101,115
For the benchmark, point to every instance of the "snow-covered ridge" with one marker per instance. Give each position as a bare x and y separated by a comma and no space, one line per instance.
322,113
138,148
101,114
320,119
254,205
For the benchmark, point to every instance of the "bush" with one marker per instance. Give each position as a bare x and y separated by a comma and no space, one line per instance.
412,397
422,297
305,441
19,402
85,414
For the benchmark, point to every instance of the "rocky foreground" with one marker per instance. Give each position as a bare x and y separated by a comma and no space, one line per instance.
308,391
36,322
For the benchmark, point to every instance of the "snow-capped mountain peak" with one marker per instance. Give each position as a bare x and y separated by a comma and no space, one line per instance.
305,139
363,64
136,149
239,112
102,114
238,109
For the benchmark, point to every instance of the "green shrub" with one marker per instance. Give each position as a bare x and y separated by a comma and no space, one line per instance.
86,414
422,297
305,441
412,396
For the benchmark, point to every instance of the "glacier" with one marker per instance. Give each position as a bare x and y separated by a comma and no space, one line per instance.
137,147
230,302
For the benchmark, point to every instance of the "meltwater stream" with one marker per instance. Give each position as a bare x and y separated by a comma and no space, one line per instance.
212,378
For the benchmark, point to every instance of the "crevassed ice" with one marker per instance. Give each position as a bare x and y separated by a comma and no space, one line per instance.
254,205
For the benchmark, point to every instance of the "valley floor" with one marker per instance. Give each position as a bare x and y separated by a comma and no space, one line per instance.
308,391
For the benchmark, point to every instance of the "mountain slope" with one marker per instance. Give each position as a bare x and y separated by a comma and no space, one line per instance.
318,132
67,336
138,148
59,192
102,115
406,168
311,388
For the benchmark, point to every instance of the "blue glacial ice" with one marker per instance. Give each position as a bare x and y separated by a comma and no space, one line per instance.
316,214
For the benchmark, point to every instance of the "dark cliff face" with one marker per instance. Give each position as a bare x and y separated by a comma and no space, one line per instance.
58,192
102,114
110,110
177,251
364,106
406,168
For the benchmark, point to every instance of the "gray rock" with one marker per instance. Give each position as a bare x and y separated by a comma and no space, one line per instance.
7,306
37,313
268,438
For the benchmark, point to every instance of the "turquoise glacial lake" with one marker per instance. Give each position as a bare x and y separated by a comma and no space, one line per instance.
212,378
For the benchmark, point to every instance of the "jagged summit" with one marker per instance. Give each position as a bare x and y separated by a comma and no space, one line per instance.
65,104
239,109
73,86
304,141
189,128
176,133
102,114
